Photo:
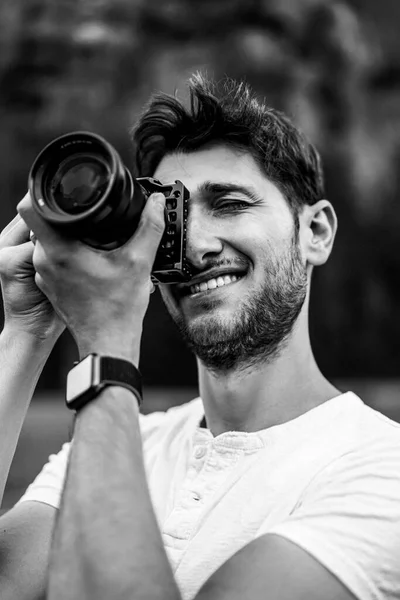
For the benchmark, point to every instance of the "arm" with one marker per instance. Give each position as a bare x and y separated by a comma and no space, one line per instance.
31,328
102,298
106,516
25,539
273,568
22,358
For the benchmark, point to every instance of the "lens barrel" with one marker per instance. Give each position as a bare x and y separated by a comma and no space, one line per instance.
80,184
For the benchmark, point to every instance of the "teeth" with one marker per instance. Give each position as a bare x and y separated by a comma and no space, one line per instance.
211,284
220,281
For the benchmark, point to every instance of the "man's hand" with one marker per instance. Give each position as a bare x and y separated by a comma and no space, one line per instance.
102,296
26,308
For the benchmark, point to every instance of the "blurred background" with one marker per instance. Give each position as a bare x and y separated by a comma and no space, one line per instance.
333,66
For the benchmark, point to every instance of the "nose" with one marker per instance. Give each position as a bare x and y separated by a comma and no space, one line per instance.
203,238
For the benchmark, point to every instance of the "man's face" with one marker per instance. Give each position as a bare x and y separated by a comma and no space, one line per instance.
249,280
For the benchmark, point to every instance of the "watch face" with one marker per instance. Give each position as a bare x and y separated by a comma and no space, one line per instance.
82,377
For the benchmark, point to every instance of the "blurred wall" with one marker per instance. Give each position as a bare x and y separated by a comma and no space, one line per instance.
333,66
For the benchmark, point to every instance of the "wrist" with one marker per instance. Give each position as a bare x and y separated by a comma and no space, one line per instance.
28,343
108,347
87,379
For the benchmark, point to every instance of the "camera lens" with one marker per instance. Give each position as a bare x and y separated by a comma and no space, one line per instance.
79,183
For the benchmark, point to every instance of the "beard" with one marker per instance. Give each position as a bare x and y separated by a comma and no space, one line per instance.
261,326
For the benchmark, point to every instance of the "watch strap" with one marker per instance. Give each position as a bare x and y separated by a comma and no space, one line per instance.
117,371
110,371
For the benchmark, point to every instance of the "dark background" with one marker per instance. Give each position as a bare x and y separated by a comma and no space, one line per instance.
334,67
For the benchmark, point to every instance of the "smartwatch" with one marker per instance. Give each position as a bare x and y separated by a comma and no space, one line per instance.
94,372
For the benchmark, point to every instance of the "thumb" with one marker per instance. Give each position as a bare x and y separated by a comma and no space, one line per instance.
151,227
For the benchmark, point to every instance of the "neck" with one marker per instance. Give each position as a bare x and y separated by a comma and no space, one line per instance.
269,394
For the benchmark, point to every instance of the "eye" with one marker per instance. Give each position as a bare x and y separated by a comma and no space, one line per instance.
231,204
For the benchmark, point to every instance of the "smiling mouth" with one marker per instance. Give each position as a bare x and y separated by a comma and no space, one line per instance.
212,284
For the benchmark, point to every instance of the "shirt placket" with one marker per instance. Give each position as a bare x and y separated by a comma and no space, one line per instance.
208,468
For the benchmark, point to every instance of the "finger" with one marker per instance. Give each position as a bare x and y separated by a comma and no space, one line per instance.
39,258
151,227
40,283
15,233
152,287
49,236
15,259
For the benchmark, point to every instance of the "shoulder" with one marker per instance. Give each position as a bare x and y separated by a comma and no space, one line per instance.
359,437
364,474
348,517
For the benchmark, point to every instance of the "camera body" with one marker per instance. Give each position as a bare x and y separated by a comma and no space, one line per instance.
170,264
79,184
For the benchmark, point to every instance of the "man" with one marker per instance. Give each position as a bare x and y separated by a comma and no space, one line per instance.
272,484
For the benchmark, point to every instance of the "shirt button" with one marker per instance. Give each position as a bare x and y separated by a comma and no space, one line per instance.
199,452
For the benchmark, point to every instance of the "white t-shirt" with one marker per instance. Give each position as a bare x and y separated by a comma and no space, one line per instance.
328,480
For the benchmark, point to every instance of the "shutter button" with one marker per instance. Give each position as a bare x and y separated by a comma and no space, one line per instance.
199,452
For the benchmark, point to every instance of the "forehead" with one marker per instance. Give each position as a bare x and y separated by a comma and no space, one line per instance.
218,164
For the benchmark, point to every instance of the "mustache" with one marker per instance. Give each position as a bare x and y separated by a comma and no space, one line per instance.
216,264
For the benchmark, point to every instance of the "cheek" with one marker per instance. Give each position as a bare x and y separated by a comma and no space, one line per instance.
270,251
262,232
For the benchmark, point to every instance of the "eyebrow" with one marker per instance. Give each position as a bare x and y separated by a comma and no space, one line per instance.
214,189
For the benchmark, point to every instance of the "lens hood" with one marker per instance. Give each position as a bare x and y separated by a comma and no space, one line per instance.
66,152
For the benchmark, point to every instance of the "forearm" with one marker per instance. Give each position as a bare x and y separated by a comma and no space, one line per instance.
22,359
107,542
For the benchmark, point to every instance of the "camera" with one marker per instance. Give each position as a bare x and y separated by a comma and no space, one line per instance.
79,184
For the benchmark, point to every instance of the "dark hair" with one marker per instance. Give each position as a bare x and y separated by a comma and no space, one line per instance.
231,114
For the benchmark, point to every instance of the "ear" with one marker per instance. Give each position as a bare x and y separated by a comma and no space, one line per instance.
318,226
